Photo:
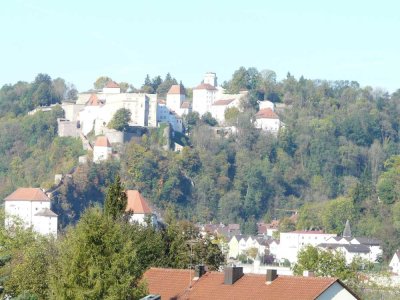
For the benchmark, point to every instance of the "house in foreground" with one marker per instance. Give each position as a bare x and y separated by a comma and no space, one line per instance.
31,208
232,283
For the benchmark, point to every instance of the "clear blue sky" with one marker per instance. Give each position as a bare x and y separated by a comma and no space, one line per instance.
82,40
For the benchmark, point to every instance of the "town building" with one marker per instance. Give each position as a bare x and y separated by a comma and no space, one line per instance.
232,283
30,207
291,243
102,149
176,100
139,209
267,120
369,249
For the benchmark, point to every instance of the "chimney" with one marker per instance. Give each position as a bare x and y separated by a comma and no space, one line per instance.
232,274
307,273
200,270
271,275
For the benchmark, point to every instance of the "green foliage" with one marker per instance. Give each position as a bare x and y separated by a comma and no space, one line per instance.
323,263
22,97
101,82
31,152
116,200
120,120
208,119
97,261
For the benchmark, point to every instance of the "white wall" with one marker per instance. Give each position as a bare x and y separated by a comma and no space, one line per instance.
101,153
202,100
336,292
291,243
45,225
269,125
24,210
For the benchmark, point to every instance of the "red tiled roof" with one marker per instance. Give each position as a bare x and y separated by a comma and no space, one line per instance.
174,284
223,102
27,194
205,86
102,141
94,100
266,113
168,283
112,84
176,89
137,203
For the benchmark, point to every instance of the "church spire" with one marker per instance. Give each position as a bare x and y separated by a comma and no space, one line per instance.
347,230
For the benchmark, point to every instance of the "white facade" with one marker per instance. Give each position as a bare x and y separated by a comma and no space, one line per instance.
143,108
268,124
395,263
168,116
101,153
292,242
203,97
336,291
211,79
30,207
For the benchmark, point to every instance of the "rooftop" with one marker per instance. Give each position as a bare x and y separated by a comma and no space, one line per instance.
177,89
266,113
111,85
137,203
102,141
180,284
27,194
223,102
205,86
45,212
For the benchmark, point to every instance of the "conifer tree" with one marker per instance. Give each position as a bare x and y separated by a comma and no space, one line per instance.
116,199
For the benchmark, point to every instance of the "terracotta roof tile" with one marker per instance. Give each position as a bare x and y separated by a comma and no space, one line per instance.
27,194
174,284
94,100
223,102
205,86
137,203
266,113
169,283
102,141
177,89
112,84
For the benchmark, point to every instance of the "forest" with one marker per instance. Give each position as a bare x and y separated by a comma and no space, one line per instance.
336,158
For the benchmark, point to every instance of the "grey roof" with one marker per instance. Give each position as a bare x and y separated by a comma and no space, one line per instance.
330,245
355,248
368,241
45,212
347,230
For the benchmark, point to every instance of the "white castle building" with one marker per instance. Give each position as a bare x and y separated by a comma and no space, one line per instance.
209,97
31,208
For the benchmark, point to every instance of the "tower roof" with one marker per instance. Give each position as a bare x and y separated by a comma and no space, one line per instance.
27,194
94,100
177,89
137,203
347,230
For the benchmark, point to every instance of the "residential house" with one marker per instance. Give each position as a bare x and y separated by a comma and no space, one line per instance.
292,242
267,120
139,209
366,248
102,149
232,283
395,263
165,115
31,207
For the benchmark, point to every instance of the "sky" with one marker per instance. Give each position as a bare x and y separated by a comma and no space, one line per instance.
125,40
